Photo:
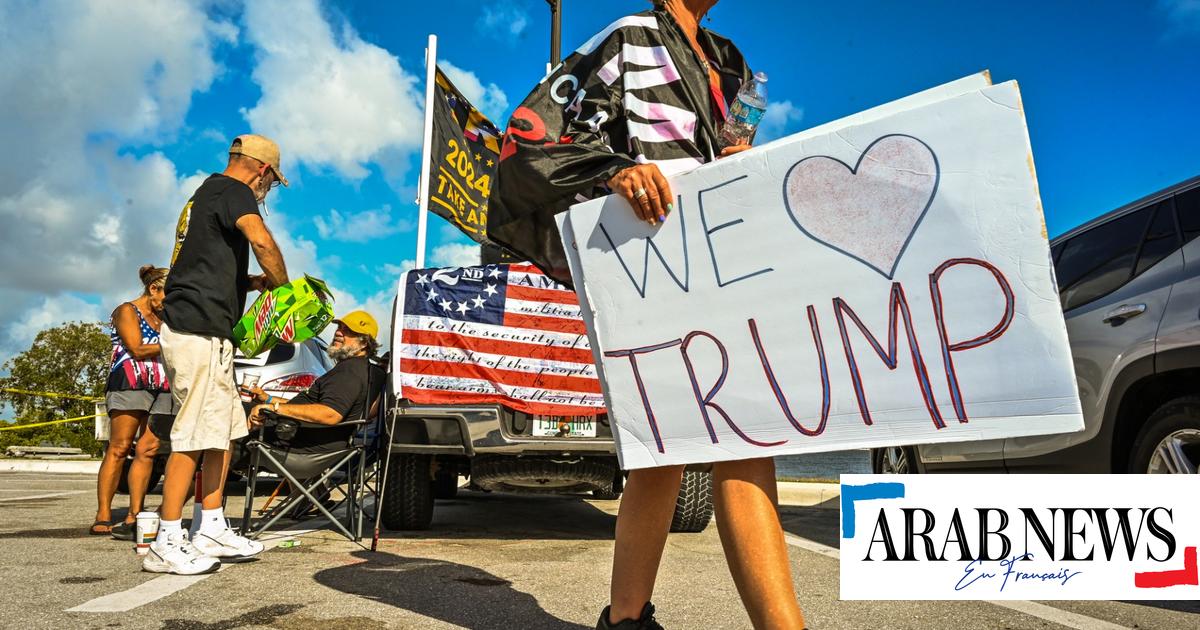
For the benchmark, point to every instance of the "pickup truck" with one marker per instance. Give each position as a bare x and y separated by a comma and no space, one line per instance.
502,450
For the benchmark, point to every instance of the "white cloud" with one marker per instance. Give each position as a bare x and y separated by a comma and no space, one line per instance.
79,215
48,312
360,227
330,99
489,99
1183,16
379,305
393,272
781,118
455,255
503,20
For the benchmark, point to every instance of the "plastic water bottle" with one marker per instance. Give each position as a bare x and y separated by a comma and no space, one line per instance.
746,112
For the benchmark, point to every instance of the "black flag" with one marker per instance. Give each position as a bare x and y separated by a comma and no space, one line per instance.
635,93
463,160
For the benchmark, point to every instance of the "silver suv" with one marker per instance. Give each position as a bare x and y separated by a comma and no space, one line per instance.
1129,282
287,369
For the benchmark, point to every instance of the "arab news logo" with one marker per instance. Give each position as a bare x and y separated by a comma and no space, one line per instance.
1072,539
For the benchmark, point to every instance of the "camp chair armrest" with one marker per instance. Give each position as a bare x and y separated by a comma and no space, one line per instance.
311,425
317,425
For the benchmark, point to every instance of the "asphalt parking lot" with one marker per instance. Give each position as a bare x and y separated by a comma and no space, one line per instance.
491,561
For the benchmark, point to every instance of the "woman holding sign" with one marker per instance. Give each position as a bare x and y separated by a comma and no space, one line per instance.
644,98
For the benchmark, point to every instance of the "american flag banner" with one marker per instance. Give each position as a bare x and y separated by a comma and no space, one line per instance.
505,334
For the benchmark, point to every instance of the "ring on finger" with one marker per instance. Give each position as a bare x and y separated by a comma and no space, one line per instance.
640,193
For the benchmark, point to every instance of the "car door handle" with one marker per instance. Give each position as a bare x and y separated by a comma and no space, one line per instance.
1123,312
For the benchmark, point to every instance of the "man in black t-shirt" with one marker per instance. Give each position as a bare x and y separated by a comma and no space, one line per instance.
340,394
205,295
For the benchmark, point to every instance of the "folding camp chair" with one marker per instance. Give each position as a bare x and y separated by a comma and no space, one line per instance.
307,474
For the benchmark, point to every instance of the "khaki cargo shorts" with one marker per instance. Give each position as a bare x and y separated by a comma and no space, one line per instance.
200,370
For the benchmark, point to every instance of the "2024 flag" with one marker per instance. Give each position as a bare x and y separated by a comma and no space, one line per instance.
504,334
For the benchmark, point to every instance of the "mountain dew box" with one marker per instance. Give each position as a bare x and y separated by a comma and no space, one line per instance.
292,313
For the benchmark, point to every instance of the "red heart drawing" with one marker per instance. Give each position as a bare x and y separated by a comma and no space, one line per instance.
871,211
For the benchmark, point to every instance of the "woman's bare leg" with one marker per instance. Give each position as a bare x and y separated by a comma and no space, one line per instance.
139,471
122,428
744,497
643,522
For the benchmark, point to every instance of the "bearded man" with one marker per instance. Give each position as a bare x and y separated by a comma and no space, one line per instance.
339,394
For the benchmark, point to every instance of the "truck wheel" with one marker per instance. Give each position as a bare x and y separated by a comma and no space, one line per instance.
408,497
514,474
613,492
1170,440
445,484
693,506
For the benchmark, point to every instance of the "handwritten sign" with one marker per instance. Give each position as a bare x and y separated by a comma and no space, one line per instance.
875,281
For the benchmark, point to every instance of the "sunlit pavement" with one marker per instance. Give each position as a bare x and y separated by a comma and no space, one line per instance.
490,561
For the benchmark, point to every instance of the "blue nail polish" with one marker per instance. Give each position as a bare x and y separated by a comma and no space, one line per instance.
662,218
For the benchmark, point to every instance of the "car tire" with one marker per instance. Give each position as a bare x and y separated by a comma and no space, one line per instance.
156,474
894,460
445,484
1179,421
516,474
123,482
694,504
408,495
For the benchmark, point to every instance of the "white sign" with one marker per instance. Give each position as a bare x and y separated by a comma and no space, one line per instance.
926,537
876,281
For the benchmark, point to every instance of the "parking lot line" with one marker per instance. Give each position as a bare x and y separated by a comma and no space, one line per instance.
811,545
165,585
44,496
1033,609
1059,616
139,595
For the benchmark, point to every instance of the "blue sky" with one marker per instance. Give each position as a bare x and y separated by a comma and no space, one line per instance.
129,107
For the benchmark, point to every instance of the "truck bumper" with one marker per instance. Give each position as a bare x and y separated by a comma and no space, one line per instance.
483,429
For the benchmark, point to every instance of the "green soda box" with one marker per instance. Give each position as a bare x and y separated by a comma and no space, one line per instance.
292,313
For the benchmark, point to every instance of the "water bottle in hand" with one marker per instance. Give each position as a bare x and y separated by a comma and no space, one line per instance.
746,112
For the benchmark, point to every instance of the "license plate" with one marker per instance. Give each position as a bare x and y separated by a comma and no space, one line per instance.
564,426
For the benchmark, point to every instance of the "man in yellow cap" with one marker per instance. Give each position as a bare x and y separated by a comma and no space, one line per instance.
345,392
205,295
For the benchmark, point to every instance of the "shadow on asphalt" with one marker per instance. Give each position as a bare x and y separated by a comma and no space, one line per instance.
815,524
265,616
1179,606
515,516
454,593
60,532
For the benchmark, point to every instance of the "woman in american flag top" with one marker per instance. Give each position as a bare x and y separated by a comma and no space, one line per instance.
643,99
136,388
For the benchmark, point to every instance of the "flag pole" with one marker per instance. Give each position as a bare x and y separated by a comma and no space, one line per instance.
426,150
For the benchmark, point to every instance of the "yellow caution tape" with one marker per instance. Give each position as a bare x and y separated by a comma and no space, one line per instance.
42,424
51,394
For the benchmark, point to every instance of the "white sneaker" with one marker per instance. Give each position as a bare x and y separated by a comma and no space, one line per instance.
227,544
176,554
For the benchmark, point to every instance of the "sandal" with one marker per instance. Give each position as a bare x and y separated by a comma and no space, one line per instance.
105,528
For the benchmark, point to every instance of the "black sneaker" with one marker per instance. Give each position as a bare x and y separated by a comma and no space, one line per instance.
644,622
124,531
